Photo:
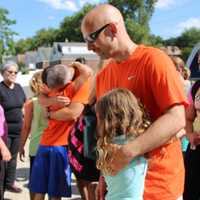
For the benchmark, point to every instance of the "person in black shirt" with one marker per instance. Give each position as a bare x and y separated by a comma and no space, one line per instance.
12,98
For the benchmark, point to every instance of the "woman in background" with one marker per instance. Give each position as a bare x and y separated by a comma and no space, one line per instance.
12,98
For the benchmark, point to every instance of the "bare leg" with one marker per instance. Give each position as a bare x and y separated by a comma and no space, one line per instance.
54,198
38,196
91,190
86,189
32,195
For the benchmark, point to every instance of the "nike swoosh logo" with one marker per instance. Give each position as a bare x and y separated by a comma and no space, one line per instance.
131,77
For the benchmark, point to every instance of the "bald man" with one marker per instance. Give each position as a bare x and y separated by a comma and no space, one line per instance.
151,76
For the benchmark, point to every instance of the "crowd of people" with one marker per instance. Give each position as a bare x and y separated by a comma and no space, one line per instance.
123,131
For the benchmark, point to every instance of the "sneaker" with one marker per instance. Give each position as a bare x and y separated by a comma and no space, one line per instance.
13,188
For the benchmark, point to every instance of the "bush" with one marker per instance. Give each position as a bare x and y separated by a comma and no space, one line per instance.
23,68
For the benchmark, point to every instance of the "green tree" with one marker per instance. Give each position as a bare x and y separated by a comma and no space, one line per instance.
186,41
6,34
70,26
45,37
156,41
23,45
137,14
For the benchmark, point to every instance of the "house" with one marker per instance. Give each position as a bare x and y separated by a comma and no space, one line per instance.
43,57
30,59
67,52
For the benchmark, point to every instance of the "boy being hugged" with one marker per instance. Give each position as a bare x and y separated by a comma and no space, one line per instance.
51,162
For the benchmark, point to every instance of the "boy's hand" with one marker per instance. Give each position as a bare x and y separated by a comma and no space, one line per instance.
60,101
5,153
82,68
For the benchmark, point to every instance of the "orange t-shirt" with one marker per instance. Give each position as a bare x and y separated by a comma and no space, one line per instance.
57,132
152,78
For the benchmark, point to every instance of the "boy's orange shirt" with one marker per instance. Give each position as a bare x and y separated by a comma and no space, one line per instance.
57,132
152,78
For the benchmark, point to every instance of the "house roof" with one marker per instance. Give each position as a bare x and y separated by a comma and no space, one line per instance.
69,50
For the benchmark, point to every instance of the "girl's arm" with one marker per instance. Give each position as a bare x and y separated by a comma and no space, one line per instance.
5,153
28,116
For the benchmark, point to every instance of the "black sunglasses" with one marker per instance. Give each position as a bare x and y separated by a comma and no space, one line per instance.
93,36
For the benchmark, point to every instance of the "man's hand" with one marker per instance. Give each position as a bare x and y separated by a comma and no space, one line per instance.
100,189
5,153
120,157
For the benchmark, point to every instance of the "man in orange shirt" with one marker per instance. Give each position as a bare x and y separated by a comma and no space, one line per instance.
151,76
51,164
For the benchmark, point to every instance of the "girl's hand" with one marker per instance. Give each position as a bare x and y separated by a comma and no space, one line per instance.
21,154
100,189
5,153
194,138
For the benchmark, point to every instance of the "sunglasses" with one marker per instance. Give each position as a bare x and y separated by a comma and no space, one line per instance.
12,72
93,36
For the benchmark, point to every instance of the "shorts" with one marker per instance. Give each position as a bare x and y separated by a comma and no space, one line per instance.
51,172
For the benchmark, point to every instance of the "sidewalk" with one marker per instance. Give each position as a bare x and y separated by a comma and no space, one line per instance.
22,181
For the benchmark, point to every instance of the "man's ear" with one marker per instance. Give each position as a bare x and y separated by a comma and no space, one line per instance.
112,29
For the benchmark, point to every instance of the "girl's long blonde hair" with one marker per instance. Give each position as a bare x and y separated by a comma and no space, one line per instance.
118,113
36,83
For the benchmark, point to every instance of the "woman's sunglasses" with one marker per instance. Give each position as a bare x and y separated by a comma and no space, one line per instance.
12,72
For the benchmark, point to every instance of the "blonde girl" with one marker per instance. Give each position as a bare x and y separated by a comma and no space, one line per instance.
121,118
34,121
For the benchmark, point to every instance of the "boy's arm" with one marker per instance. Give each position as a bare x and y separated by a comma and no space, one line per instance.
92,92
28,116
85,72
46,101
72,112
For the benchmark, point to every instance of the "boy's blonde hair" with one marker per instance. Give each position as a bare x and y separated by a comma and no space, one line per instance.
36,83
118,113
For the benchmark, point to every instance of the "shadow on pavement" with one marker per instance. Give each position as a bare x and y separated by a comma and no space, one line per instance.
22,174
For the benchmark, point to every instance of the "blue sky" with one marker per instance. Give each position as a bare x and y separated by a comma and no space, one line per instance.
170,18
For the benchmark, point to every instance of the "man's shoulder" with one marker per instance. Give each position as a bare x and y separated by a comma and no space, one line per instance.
150,52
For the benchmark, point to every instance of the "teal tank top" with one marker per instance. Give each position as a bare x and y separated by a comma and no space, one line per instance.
128,184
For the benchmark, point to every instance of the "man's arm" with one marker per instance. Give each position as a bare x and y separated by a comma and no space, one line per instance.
163,129
72,112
